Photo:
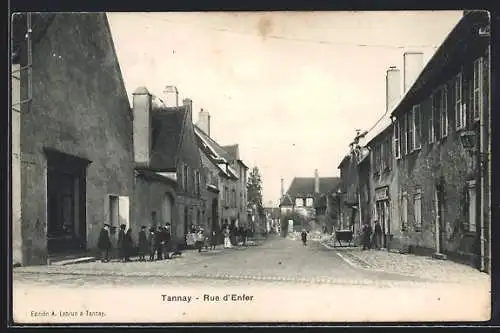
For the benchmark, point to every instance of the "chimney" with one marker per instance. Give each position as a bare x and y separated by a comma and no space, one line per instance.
204,121
282,188
392,87
316,181
412,66
171,96
142,126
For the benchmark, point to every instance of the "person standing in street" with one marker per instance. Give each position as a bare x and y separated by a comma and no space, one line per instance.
121,243
152,243
129,245
367,232
143,244
104,243
158,245
213,239
377,235
227,240
167,242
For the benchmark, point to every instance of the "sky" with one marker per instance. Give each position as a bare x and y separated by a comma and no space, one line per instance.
290,88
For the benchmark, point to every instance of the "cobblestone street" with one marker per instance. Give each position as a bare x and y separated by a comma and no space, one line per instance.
276,274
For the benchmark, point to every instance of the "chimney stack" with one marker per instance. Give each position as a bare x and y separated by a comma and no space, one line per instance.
316,181
204,121
412,66
392,87
142,126
171,96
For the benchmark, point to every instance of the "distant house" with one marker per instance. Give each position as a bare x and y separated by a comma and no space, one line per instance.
71,135
170,186
307,195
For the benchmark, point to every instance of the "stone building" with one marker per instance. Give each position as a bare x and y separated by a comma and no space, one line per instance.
441,148
170,182
72,134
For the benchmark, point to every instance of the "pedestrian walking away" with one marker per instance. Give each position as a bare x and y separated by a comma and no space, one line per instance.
104,243
304,237
129,245
143,244
121,243
213,239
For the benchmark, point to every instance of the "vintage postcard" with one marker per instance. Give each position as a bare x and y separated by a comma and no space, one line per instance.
215,167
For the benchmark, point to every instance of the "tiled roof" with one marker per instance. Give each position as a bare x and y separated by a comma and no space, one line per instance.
39,24
232,152
167,129
304,186
286,200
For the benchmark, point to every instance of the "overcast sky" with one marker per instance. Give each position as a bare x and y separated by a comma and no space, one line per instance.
289,88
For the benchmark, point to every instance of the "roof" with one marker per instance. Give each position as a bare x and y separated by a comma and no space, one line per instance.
463,42
303,186
156,176
213,152
286,200
380,127
167,129
346,158
233,152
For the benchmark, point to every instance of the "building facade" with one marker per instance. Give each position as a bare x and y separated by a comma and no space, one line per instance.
441,148
170,180
73,142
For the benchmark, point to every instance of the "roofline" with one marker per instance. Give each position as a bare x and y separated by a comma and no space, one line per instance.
466,20
382,132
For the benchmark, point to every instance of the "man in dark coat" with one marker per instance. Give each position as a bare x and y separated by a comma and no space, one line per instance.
121,243
104,243
158,241
129,245
377,235
143,244
167,246
152,244
367,231
304,237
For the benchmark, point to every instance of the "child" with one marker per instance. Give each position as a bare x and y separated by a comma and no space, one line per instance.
143,244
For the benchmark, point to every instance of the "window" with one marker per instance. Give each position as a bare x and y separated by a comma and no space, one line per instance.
443,114
417,127
417,206
299,202
471,206
382,156
410,133
431,134
309,202
397,143
404,211
477,103
460,115
404,131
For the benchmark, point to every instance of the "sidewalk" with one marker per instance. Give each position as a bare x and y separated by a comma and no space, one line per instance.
412,265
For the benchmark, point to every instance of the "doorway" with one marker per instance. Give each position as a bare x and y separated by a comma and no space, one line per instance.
167,206
66,208
382,211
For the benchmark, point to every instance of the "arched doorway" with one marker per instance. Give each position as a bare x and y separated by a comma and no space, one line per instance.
167,208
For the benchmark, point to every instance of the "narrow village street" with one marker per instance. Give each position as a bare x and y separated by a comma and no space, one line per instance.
273,270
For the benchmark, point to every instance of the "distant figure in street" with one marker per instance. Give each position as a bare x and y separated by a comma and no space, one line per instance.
152,243
304,236
143,244
158,245
377,235
243,232
121,243
213,239
104,243
366,235
129,245
227,240
200,239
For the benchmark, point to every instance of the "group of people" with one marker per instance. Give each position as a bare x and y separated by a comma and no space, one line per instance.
158,242
371,237
235,235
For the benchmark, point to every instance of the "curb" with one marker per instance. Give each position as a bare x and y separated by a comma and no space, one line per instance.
73,261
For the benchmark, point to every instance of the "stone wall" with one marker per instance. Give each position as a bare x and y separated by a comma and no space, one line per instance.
79,107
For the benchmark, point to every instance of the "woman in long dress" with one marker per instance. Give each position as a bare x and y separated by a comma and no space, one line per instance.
227,240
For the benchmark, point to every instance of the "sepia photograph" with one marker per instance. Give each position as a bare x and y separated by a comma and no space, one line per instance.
250,167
